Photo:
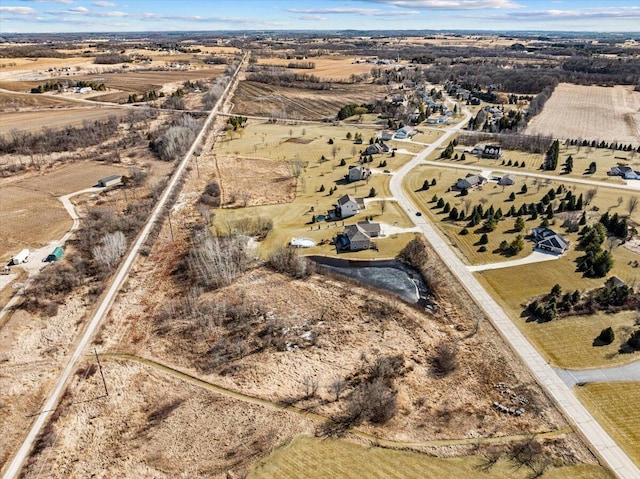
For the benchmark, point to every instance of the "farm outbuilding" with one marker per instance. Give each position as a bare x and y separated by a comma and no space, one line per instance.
109,181
55,255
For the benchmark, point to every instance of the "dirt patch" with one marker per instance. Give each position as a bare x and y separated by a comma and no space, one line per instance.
299,141
590,112
255,181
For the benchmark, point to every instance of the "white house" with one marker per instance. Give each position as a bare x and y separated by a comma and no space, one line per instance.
349,205
358,173
404,133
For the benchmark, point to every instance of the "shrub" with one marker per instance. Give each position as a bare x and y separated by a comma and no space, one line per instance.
415,253
634,340
444,361
286,260
606,336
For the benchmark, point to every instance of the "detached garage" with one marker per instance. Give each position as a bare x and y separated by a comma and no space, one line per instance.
110,181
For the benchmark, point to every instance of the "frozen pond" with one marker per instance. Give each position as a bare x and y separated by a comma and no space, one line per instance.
391,276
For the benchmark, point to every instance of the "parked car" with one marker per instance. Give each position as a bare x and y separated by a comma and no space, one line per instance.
418,213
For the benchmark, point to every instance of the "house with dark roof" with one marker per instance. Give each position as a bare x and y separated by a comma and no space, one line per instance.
548,240
348,205
507,180
470,181
624,171
357,237
376,148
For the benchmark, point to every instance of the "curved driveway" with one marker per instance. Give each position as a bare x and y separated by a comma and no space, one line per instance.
601,442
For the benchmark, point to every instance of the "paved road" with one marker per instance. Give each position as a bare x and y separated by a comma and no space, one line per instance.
630,185
14,467
600,441
571,377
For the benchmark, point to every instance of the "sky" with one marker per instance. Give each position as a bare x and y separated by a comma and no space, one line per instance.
39,16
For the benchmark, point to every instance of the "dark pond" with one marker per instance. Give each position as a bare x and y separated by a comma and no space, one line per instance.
392,276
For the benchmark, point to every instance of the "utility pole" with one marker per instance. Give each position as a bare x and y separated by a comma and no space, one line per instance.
106,391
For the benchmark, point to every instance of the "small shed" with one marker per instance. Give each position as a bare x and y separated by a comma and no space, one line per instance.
56,255
110,181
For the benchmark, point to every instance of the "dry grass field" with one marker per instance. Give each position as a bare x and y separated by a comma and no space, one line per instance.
55,118
255,181
590,112
9,101
310,458
617,409
29,219
335,67
279,144
30,213
260,99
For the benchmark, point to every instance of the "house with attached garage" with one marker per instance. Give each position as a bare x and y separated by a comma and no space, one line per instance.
404,133
376,148
507,180
624,171
357,237
548,240
357,173
348,205
470,181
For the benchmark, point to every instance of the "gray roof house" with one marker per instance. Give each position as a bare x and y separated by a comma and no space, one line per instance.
357,237
358,173
375,148
404,133
507,180
348,205
470,181
549,240
625,171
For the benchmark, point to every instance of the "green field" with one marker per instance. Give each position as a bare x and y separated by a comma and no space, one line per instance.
311,458
617,409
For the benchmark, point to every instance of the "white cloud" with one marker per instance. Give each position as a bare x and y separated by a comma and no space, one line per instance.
587,13
103,4
78,10
311,17
373,12
19,10
66,2
450,4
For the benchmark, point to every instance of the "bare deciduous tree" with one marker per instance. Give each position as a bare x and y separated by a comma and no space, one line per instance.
337,387
383,205
632,204
113,246
310,386
589,195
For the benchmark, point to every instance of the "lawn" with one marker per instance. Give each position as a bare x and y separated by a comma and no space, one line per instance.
617,409
307,457
313,185
308,142
605,199
582,158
